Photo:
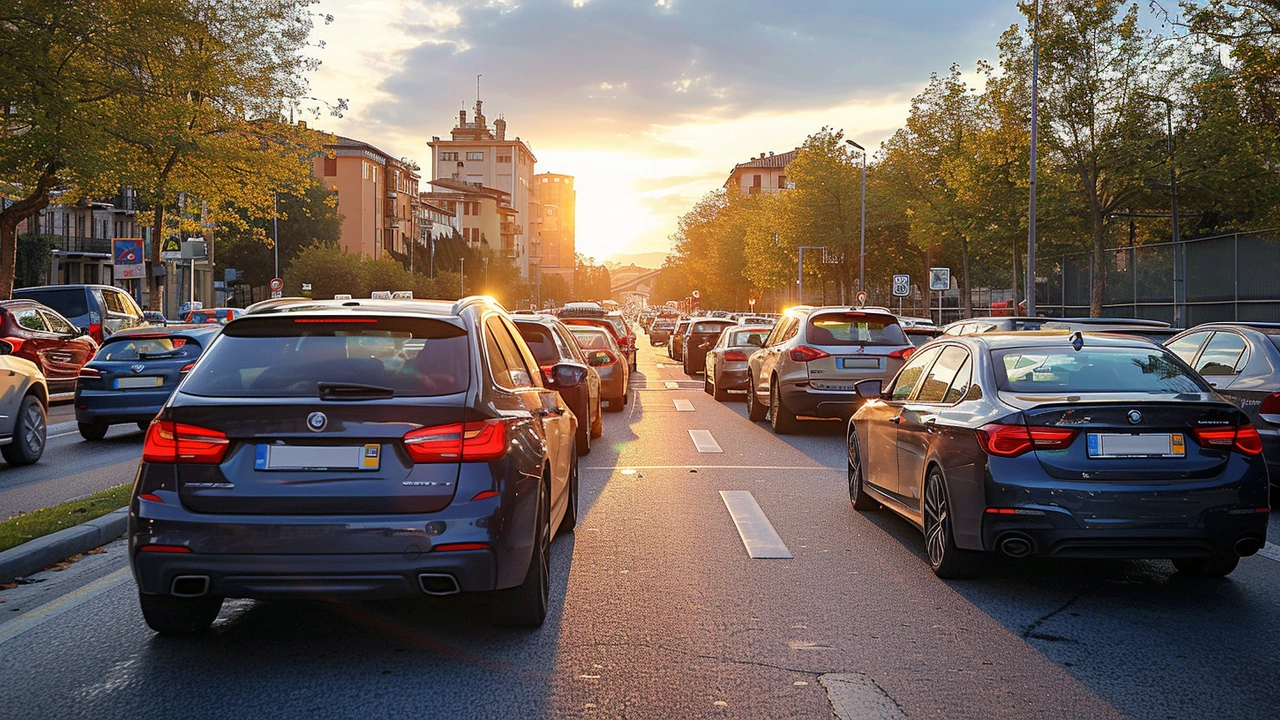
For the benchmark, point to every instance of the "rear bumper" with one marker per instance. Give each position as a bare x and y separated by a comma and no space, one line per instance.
659,337
804,400
733,379
119,406
1059,535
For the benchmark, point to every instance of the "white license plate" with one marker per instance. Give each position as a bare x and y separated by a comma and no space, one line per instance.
133,383
317,457
860,363
1149,445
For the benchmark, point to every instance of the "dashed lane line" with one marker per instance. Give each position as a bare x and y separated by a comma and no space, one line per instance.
810,468
757,533
672,385
70,601
704,441
684,405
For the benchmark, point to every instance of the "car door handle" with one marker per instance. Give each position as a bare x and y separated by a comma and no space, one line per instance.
896,420
931,425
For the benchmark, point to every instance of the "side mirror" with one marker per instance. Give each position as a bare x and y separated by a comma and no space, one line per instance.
869,389
566,376
6,348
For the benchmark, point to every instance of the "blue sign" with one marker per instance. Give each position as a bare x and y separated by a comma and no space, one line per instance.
129,258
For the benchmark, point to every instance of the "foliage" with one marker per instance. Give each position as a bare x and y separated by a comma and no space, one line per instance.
35,254
46,521
306,219
590,281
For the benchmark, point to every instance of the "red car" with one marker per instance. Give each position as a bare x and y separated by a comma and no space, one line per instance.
44,337
614,322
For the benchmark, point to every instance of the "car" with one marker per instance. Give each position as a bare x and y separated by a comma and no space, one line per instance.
134,373
755,320
551,344
604,355
349,450
660,331
155,317
44,337
1241,361
578,314
813,357
212,315
726,363
675,346
1151,329
970,326
98,310
700,338
24,406
1062,445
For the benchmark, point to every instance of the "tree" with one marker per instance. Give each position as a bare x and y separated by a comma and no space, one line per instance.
825,206
307,219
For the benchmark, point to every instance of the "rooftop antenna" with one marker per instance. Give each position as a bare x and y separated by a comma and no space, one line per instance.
478,87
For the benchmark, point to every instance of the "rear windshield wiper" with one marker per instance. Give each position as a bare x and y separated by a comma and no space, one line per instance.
352,391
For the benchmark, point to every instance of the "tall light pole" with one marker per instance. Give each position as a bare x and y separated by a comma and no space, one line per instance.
1035,112
275,230
862,224
1173,197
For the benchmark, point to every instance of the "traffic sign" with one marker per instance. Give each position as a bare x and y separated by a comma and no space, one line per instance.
306,287
696,294
862,298
752,303
127,257
277,294
940,278
277,284
902,285
402,295
380,295
171,249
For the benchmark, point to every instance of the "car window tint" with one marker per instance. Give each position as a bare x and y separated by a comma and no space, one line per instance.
1221,355
590,340
497,361
541,342
511,372
963,386
742,338
938,381
58,324
793,329
1097,369
30,319
855,328
568,348
119,348
113,302
524,358
708,327
910,374
70,302
1187,346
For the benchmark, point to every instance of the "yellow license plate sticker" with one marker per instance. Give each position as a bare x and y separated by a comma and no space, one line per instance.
370,459
1177,444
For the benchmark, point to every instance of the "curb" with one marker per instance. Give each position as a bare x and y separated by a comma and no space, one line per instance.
38,554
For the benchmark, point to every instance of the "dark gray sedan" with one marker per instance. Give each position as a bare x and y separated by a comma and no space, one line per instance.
727,362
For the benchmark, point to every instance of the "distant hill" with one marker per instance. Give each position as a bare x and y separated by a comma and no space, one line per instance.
652,260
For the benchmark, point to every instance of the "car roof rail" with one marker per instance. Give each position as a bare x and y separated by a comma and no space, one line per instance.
466,302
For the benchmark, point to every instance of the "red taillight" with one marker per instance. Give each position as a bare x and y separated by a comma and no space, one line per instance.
458,442
902,354
806,354
95,332
170,442
89,373
455,547
165,548
1271,404
1243,439
546,371
16,343
735,355
1014,440
484,495
150,497
186,368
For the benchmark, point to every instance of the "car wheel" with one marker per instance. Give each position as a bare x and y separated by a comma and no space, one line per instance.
29,433
143,425
858,496
780,416
95,430
570,520
526,604
584,436
945,558
755,411
1210,567
169,615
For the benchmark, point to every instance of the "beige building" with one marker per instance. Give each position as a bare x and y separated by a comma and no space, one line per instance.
377,194
483,215
557,207
766,174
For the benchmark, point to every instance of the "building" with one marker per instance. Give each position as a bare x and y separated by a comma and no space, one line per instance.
376,196
557,207
766,174
483,157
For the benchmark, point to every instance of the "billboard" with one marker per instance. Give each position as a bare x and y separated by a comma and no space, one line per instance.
128,257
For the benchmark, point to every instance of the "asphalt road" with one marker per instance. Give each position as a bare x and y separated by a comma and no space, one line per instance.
659,612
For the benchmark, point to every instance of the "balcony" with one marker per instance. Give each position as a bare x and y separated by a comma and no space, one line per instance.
390,221
392,194
510,228
80,244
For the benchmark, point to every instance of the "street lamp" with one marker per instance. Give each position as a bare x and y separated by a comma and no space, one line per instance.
1176,230
862,224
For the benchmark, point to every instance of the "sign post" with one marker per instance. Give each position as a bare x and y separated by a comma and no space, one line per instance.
277,288
901,288
940,281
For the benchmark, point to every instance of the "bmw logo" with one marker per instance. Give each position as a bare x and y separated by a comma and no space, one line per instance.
1135,417
316,421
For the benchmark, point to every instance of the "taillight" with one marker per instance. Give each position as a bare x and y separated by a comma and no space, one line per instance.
1243,439
902,354
1015,440
546,371
170,442
735,355
16,343
88,373
458,442
806,354
95,332
1271,404
186,368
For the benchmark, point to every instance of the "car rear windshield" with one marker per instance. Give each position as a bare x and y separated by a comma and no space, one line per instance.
619,326
743,338
70,302
591,339
590,322
148,347
1092,370
292,356
854,328
709,327
540,342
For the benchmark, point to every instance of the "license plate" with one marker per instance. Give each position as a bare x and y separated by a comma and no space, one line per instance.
1149,445
317,457
860,363
134,383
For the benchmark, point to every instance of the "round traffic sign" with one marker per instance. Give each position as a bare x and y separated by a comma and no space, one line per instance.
862,297
696,294
277,284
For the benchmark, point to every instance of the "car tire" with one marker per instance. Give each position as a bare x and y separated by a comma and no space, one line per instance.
570,520
946,560
143,425
706,385
525,605
169,615
755,411
584,436
1210,567
780,416
30,433
615,404
95,430
858,496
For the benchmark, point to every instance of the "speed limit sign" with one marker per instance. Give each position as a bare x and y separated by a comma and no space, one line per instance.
901,285
862,298
696,294
277,284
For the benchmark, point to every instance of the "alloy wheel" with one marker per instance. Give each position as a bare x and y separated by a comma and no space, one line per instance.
935,520
35,429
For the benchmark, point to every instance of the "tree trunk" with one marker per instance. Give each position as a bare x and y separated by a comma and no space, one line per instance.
966,293
1099,278
1013,299
157,242
14,214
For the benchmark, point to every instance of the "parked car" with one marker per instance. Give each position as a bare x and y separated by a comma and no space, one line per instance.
134,373
603,354
576,314
155,317
349,432
98,310
1242,363
660,331
700,338
44,337
1151,329
813,357
726,367
1064,445
221,316
675,342
24,403
976,325
551,344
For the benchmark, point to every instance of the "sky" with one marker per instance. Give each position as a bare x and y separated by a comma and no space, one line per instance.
648,103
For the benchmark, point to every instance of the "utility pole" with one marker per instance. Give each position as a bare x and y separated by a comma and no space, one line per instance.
1035,110
462,277
275,230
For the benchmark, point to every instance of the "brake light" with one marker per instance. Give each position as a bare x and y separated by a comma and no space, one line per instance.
735,355
902,354
546,371
95,331
16,343
805,354
458,442
170,442
165,548
455,547
1015,440
88,373
1271,404
327,321
1243,439
186,368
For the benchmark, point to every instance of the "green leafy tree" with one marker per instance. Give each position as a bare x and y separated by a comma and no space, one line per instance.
306,219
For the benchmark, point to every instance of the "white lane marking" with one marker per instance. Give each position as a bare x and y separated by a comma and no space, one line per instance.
660,366
854,695
73,432
1271,551
704,441
672,385
714,467
684,405
757,534
70,601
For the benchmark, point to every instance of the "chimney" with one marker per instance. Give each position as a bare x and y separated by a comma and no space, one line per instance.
761,156
479,116
501,126
302,124
462,118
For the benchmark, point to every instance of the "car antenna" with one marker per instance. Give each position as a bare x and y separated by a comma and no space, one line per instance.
1077,341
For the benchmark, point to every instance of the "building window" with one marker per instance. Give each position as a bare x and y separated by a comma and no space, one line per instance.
330,166
782,182
551,211
557,179
475,156
466,208
448,156
755,181
504,158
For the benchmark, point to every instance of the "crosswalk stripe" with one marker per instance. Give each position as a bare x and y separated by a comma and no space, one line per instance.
704,441
757,533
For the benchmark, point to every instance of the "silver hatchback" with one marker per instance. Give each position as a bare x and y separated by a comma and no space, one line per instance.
813,358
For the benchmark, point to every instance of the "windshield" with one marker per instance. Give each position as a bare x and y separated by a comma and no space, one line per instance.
743,338
119,348
1093,370
855,328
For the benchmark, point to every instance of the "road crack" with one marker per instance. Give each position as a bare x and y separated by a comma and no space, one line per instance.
1030,632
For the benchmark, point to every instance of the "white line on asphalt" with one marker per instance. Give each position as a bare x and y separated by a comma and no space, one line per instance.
70,601
854,695
1271,551
50,437
62,427
757,534
713,467
672,385
684,405
660,366
704,441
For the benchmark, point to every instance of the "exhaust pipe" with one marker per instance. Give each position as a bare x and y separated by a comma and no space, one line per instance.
1247,546
1016,545
189,586
438,584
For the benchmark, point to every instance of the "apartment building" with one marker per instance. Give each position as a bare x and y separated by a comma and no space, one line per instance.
557,205
765,175
377,194
483,215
